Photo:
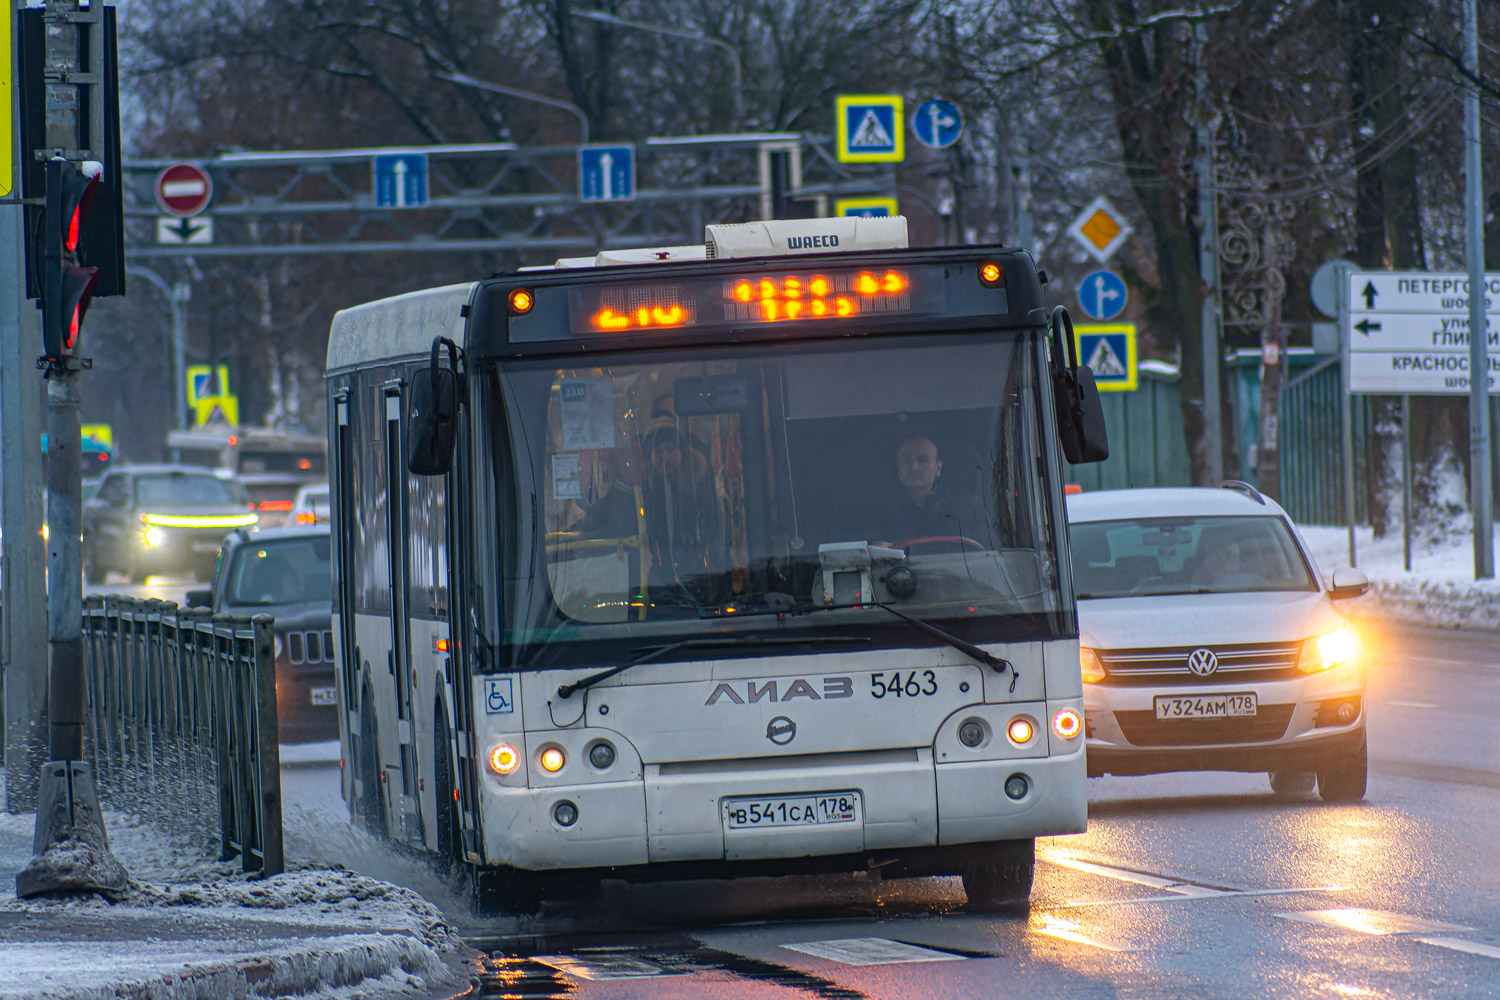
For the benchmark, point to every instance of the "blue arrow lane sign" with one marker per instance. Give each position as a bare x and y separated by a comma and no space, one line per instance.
606,173
1102,295
400,180
938,124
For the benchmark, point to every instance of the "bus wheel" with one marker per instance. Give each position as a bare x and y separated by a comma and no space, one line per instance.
1002,882
449,839
372,801
505,891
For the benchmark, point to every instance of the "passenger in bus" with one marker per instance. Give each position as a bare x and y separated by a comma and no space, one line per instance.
684,536
921,504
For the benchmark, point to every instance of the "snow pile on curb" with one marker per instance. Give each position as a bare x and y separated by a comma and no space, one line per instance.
1440,589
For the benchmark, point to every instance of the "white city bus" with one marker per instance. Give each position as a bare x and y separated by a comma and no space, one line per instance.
629,583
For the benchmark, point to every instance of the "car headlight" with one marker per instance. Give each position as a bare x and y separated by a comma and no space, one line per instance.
154,537
1331,649
1093,669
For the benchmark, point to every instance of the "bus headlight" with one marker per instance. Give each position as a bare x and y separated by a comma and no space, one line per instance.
553,759
1331,649
1093,669
1020,730
154,537
505,759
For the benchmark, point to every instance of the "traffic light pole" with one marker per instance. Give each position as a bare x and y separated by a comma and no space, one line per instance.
70,850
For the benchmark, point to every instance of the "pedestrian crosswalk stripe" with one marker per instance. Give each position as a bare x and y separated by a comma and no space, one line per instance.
871,134
1068,930
602,967
871,951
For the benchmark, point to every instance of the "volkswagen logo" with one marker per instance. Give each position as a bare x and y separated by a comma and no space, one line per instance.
781,730
1203,662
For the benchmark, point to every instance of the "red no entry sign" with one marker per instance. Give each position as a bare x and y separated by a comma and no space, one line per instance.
183,189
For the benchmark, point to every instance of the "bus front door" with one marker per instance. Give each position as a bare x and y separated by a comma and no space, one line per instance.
402,792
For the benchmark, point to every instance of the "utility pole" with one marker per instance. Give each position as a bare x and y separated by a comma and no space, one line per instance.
71,851
1208,268
1020,194
23,625
1481,502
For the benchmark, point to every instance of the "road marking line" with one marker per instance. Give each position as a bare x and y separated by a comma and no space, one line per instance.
1139,878
1192,896
1355,918
1409,704
1067,930
871,951
1472,947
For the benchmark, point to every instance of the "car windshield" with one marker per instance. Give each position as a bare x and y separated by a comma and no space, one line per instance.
185,489
1186,555
281,571
753,482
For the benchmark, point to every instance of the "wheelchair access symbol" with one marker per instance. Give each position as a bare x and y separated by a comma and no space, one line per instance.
497,696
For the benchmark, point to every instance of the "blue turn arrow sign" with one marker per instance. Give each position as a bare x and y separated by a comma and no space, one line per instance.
1102,295
938,124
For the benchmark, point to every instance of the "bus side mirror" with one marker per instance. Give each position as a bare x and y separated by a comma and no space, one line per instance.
1080,412
1080,418
433,421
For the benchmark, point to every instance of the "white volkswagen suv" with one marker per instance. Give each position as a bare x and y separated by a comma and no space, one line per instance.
1209,642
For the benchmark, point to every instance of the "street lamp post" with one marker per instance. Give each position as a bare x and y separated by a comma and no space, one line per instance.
734,56
525,95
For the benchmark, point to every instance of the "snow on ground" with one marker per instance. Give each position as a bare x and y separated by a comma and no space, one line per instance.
1440,589
194,927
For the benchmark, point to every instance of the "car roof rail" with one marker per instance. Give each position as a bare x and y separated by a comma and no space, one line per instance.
1245,488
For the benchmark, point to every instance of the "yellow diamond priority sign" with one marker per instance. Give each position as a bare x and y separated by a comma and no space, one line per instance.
1101,229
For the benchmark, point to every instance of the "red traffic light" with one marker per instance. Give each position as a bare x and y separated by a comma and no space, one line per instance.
67,282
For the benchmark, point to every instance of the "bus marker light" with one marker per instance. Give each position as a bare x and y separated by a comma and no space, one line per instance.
521,301
553,760
565,813
1067,723
440,646
1020,730
602,756
991,274
505,758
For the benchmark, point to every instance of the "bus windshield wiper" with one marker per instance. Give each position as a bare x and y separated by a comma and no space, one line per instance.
990,660
655,652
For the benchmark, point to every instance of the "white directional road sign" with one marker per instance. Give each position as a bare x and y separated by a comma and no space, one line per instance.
172,229
606,173
400,180
1408,331
937,123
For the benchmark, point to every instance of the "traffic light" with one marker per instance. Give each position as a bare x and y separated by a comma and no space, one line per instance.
67,287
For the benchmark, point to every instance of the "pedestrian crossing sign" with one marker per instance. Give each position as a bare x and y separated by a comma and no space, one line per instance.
1109,351
871,128
868,208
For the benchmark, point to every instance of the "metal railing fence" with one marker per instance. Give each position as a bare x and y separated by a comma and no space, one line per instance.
181,722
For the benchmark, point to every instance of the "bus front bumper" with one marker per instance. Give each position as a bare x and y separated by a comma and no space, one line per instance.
682,812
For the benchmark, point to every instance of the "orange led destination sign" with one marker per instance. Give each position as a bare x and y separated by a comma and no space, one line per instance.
764,298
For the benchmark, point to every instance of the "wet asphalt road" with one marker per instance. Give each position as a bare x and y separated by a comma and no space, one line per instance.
1186,885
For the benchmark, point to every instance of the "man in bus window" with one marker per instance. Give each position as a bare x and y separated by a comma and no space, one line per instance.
922,504
683,525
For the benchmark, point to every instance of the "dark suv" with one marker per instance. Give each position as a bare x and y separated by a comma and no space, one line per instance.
286,573
147,519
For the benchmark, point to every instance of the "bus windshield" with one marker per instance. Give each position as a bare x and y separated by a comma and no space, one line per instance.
753,486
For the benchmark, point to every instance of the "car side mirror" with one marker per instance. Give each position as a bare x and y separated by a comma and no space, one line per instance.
1080,411
199,599
433,414
1347,582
